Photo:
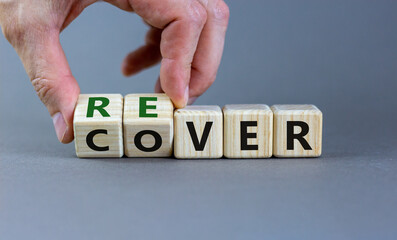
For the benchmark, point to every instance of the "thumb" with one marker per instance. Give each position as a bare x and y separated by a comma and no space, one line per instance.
50,74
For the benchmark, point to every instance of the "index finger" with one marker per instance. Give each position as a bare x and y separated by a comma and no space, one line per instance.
182,23
178,45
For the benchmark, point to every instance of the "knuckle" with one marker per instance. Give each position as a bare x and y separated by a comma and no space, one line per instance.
44,89
11,32
221,12
197,14
16,31
20,26
13,23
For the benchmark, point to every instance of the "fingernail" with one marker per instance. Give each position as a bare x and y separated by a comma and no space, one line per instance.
191,100
60,125
187,95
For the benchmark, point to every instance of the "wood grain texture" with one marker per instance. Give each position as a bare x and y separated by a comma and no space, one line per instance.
262,117
199,116
84,125
162,124
308,114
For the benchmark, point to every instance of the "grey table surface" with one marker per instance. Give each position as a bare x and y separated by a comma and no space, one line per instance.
339,55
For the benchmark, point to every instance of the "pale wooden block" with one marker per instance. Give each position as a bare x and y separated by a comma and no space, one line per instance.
148,131
297,131
248,131
205,137
98,130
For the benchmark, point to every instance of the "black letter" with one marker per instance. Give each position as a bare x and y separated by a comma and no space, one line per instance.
157,141
291,136
199,146
244,135
90,140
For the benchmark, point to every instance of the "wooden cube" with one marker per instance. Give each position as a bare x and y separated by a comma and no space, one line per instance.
248,131
98,125
198,132
148,125
297,131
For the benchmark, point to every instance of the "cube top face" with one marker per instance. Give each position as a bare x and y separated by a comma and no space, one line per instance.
145,107
247,109
296,109
199,110
297,131
98,125
198,132
91,107
148,125
248,131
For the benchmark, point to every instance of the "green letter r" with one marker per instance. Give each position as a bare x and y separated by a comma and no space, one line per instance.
101,108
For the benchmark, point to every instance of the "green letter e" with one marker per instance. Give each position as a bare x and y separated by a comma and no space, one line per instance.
143,107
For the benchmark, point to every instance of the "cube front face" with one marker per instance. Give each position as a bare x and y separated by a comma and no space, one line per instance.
148,125
248,131
98,125
297,131
198,132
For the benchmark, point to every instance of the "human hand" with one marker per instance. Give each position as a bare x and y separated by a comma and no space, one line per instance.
187,36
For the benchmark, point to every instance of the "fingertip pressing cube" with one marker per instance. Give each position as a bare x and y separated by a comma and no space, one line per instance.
98,125
297,131
248,131
198,132
148,125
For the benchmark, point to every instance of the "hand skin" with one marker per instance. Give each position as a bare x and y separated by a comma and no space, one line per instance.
187,36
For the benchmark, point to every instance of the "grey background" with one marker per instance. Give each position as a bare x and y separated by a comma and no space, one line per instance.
339,55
